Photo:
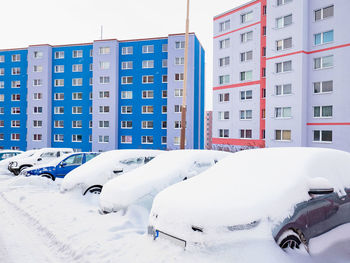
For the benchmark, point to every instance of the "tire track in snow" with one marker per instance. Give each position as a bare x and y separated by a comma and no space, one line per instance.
63,251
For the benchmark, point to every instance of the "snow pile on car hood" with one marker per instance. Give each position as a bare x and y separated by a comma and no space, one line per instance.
100,169
142,184
248,186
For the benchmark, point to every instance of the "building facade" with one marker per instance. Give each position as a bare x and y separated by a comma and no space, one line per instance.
280,75
100,96
208,129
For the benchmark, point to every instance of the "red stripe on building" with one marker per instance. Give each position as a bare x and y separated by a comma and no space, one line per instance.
327,123
238,85
241,142
237,30
310,52
236,10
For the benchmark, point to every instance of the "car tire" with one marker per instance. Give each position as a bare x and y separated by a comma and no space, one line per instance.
289,239
49,176
95,189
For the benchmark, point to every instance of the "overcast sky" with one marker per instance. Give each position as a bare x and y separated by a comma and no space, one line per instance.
27,22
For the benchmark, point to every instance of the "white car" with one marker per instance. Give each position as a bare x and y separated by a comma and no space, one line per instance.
5,154
290,196
41,156
142,184
91,177
4,164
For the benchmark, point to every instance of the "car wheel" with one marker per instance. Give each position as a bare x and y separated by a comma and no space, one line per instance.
289,239
95,189
48,176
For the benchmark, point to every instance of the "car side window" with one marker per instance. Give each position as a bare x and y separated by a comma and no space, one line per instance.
73,160
89,156
48,155
132,161
147,159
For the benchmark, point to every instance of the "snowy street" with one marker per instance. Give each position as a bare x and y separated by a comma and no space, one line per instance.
40,224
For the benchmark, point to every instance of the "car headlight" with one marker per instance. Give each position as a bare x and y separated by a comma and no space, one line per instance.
24,173
244,226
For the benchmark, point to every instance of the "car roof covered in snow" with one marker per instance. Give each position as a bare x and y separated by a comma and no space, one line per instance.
251,185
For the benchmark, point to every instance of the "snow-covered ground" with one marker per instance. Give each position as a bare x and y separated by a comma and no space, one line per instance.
39,224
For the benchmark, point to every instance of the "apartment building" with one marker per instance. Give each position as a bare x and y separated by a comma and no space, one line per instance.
280,75
104,95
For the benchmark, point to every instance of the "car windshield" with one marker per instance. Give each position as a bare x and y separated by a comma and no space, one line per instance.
132,161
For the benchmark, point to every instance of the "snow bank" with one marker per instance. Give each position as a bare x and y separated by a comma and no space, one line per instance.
247,186
100,169
142,184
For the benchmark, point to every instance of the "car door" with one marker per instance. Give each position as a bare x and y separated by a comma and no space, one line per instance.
69,164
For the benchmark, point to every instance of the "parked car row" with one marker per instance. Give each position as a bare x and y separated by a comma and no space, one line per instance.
290,195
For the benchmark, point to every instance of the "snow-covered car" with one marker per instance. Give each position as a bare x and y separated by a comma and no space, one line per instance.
142,184
41,156
91,176
291,196
5,154
59,167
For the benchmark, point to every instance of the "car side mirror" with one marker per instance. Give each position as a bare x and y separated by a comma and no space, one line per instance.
39,159
63,164
320,186
118,170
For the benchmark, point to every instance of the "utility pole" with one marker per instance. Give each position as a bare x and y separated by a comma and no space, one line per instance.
184,106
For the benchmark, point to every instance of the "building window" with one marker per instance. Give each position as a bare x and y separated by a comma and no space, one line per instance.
164,94
225,43
16,71
178,92
177,108
59,68
224,97
246,95
147,125
103,94
324,37
147,94
15,136
77,124
58,110
126,124
59,82
147,139
16,58
2,123
223,62
223,133
38,54
15,123
263,113
147,109
103,139
245,56
77,110
165,48
285,66
104,109
37,110
284,21
284,89
77,68
77,96
2,58
283,112
224,79
127,80
127,50
148,64
247,17
2,71
147,79
16,84
180,44
77,138
282,2
104,80
58,138
59,124
37,123
223,26
164,140
324,13
283,135
246,75
177,125
323,62
164,78
104,50
164,63
2,97
322,136
164,109
2,84
104,124
126,94
127,65
126,139
323,111
105,65
264,10
91,67
179,61
37,82
59,54
263,72
224,115
164,124
37,137
245,37
77,53
246,115
15,97
148,49
284,44
77,82
14,110
323,86
179,76
59,96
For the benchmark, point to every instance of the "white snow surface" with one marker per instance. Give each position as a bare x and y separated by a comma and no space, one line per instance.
100,169
250,185
140,185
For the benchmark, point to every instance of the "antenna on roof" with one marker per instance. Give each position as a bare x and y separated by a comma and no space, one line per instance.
101,32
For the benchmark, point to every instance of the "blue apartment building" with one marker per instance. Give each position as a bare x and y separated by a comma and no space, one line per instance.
100,96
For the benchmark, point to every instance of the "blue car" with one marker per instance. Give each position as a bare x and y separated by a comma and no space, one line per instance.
59,167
